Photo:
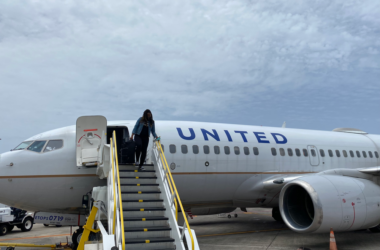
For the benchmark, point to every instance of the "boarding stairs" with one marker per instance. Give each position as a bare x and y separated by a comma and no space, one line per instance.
141,208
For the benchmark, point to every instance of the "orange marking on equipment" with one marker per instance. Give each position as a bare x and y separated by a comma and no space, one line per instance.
36,237
93,129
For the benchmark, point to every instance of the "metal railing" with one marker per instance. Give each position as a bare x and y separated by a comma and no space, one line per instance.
175,199
115,204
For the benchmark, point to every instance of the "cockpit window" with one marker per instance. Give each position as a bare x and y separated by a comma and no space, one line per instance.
37,146
23,145
53,145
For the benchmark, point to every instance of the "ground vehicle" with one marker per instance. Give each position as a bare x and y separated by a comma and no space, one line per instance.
11,217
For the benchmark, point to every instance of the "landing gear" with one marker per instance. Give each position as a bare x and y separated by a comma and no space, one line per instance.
276,215
375,229
27,224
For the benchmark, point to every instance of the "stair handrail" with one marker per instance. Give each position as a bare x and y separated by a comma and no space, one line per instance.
172,183
117,228
113,186
119,192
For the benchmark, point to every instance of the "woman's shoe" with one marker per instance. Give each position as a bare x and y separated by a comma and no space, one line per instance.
141,168
136,164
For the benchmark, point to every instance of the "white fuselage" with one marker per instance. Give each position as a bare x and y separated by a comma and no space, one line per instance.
51,181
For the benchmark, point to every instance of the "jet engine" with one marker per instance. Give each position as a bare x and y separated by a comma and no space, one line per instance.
316,203
213,210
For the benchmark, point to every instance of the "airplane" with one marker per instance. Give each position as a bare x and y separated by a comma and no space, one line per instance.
313,180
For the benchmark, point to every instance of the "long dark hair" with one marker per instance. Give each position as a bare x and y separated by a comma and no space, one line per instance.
145,118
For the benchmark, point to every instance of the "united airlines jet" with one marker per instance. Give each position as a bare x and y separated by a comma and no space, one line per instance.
313,180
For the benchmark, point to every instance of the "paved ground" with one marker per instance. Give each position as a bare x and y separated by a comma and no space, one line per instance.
38,235
255,230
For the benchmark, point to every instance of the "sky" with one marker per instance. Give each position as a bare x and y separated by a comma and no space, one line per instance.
313,64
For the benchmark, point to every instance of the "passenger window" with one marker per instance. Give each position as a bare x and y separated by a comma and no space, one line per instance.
331,153
376,154
274,151
322,152
216,150
237,150
352,154
313,153
37,146
282,152
370,154
337,153
255,151
246,150
53,145
184,149
364,154
345,153
206,149
358,154
298,152
195,149
172,148
305,152
290,152
227,150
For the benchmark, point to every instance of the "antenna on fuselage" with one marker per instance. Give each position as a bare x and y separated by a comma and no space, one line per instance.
284,125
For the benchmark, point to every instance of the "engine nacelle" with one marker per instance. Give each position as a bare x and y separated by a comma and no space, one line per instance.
213,210
316,203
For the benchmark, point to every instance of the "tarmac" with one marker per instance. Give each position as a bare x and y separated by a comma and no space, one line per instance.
252,230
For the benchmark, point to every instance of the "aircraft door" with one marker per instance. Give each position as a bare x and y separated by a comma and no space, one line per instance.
90,140
313,155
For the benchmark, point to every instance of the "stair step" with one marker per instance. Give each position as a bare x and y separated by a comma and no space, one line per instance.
149,200
163,243
144,209
139,188
144,203
144,195
137,181
137,171
138,184
151,240
139,174
149,221
147,232
141,192
151,218
143,177
132,167
147,229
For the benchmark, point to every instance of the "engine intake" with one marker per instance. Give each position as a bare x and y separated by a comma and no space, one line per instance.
316,203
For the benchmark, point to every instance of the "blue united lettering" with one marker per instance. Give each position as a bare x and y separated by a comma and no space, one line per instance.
189,134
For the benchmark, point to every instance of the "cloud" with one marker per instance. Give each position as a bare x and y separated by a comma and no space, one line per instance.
224,61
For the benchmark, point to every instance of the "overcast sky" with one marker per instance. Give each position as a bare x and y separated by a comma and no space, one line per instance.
313,64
